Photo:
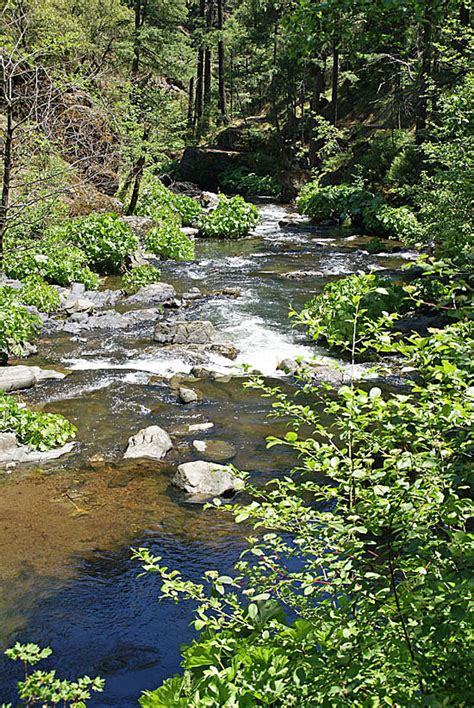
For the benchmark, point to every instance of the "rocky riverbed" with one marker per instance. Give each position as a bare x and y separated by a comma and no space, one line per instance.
163,370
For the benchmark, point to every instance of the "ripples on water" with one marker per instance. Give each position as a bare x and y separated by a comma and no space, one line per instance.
65,562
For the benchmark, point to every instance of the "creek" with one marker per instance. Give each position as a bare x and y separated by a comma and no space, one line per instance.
66,577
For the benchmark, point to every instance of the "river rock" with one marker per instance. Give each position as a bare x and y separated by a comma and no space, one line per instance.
215,450
296,222
8,446
153,442
289,366
189,231
140,225
155,294
192,294
113,320
206,478
200,427
104,298
200,372
193,428
81,304
17,378
187,395
226,349
183,332
209,200
228,292
302,274
12,452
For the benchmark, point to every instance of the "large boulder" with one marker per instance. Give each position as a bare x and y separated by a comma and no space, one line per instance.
111,320
153,442
182,332
196,335
206,479
17,378
155,294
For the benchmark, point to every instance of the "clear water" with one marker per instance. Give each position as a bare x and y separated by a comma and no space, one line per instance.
66,576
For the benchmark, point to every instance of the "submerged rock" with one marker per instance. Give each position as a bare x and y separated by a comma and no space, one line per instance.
228,292
18,378
302,274
193,428
215,450
153,442
155,294
206,478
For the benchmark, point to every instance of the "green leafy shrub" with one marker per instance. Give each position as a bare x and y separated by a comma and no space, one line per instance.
136,278
36,292
156,200
364,209
105,240
367,544
241,181
334,203
232,218
45,687
17,325
51,258
322,203
43,431
330,315
393,222
168,241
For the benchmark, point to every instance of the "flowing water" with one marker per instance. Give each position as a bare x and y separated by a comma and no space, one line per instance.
66,577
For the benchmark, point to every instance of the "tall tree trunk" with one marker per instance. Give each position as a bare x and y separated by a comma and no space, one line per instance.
6,176
208,66
273,95
220,58
138,168
464,15
424,72
231,83
137,40
318,89
191,104
335,77
200,70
